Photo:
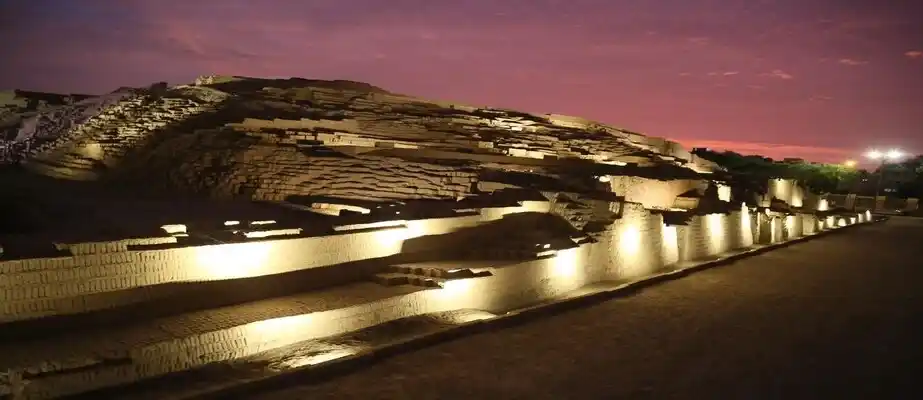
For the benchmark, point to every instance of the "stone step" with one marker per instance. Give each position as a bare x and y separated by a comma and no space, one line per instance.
70,362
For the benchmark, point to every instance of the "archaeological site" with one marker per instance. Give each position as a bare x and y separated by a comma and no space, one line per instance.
153,232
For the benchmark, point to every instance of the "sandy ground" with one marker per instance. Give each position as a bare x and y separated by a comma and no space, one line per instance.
836,317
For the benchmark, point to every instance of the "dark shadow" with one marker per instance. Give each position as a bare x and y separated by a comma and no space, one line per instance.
52,209
510,231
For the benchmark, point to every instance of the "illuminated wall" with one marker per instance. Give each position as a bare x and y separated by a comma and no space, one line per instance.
652,193
769,229
669,245
777,227
786,190
810,224
521,283
816,202
794,227
61,285
745,231
163,354
724,192
513,285
97,276
636,245
712,234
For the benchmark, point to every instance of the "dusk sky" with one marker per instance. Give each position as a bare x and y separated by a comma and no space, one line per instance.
818,79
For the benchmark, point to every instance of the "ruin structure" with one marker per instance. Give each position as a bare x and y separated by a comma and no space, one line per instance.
195,224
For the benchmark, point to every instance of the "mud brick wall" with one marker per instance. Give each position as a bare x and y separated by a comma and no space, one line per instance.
97,275
637,245
652,193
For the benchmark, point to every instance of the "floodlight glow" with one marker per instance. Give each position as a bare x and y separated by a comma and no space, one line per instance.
874,154
670,244
231,261
458,287
715,226
895,154
629,241
566,263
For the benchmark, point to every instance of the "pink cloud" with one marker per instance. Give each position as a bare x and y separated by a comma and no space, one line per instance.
778,74
699,40
585,57
852,62
774,150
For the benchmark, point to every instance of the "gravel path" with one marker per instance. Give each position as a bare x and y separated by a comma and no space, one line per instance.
836,317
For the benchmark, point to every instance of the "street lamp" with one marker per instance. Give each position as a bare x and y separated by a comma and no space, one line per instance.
884,156
890,155
849,163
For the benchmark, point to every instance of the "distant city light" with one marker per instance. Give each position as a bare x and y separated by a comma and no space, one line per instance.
850,163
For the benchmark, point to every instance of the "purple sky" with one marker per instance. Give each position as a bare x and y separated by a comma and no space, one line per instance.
818,79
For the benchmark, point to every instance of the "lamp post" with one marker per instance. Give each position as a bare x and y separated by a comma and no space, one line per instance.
883,157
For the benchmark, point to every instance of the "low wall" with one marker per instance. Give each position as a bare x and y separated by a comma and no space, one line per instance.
97,275
886,203
810,224
64,285
637,245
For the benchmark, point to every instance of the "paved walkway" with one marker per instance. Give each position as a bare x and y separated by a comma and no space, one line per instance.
837,317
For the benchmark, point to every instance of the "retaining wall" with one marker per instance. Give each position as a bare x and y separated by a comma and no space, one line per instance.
638,244
98,275
882,203
786,190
